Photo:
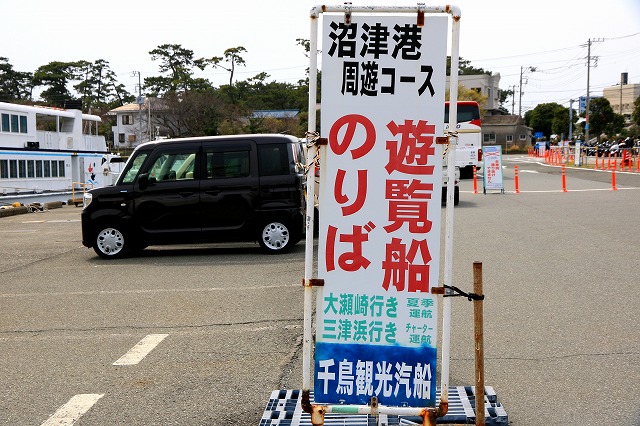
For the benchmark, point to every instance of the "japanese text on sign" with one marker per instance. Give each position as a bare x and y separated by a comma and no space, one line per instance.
364,75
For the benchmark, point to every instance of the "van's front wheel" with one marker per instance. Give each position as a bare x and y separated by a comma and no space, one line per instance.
275,237
111,242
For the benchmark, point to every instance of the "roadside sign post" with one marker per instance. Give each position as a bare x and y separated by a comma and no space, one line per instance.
493,177
383,90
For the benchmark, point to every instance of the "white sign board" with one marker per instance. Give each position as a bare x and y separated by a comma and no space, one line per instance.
383,87
492,158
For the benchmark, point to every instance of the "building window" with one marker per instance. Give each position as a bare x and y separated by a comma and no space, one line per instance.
23,124
489,137
39,168
4,169
54,169
61,168
509,138
523,137
127,119
47,168
121,137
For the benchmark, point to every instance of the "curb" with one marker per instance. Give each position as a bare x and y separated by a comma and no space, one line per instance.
13,211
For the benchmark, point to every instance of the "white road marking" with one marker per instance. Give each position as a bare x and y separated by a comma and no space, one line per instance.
52,221
141,291
141,349
70,412
556,190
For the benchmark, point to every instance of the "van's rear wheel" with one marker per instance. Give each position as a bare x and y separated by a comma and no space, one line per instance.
275,237
111,242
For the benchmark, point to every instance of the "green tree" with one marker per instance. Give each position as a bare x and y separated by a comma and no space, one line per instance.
635,116
505,94
231,56
14,85
100,88
465,94
602,118
177,63
560,121
57,76
193,113
305,43
541,118
465,67
615,126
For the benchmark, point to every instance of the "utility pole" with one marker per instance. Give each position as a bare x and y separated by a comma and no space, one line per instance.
513,98
139,102
571,101
522,71
586,111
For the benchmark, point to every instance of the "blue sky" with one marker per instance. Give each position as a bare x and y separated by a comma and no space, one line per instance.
501,36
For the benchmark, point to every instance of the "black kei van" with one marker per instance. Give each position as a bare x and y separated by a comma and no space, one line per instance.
201,190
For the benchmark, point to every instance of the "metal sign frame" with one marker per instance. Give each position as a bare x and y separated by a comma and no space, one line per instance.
429,414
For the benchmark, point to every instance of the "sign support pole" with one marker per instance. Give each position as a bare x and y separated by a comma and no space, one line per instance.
448,242
478,321
309,225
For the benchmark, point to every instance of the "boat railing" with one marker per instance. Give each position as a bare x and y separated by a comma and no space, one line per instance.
94,142
55,140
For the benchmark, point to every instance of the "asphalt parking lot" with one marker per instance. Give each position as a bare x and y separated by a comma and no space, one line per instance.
223,323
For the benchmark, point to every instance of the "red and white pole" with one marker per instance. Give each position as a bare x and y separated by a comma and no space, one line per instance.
475,180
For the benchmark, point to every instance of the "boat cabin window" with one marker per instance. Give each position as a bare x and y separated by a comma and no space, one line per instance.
4,169
13,123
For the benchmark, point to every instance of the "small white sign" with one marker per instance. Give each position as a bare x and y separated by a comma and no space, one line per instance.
492,159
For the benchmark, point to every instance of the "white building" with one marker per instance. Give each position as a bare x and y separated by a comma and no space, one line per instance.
486,85
138,123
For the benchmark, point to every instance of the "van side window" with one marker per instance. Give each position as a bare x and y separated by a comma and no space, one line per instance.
173,166
273,160
228,164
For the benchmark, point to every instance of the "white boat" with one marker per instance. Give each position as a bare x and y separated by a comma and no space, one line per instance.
47,153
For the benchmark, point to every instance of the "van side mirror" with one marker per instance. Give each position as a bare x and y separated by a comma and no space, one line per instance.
143,181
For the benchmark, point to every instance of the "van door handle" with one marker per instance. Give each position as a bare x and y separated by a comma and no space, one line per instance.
186,194
212,192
